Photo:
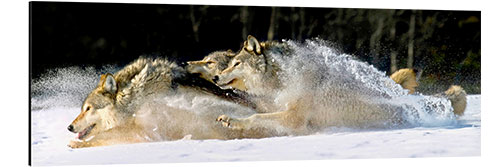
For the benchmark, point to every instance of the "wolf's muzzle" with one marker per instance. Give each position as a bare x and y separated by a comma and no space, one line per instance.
71,128
215,79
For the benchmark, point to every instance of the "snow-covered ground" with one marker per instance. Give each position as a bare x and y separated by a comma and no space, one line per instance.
49,138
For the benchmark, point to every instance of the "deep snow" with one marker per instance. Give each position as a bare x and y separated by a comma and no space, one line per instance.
49,138
435,132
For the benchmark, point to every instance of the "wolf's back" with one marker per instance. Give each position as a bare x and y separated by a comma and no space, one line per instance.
147,68
145,76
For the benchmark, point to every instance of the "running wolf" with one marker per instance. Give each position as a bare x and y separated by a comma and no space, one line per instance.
317,105
255,71
213,64
407,78
252,69
458,98
132,106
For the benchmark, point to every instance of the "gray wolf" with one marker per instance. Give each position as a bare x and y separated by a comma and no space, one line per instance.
252,69
317,102
211,65
255,70
142,103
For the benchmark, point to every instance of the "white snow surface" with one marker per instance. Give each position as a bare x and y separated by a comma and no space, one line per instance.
49,138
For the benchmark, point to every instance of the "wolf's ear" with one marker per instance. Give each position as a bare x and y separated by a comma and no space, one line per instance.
108,83
230,53
252,45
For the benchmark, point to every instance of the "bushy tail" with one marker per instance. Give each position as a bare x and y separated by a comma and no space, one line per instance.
458,98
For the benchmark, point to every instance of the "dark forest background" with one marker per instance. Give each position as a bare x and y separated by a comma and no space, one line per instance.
444,44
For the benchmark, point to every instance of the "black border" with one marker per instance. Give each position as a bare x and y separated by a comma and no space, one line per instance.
30,72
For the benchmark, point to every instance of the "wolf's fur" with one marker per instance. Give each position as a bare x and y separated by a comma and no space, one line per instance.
304,111
211,65
130,107
457,97
252,69
407,78
115,99
318,105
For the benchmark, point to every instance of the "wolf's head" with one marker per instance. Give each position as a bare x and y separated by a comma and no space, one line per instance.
246,67
211,65
98,112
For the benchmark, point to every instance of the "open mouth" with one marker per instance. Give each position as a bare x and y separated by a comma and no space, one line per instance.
82,134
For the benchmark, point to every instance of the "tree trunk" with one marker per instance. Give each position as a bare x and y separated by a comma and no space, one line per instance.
293,19
311,27
411,34
375,41
302,18
244,22
195,24
270,32
394,53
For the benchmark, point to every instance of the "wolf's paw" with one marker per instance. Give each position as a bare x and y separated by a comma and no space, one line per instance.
224,119
228,122
76,144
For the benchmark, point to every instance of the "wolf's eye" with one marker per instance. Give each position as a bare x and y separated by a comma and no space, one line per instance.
88,108
237,63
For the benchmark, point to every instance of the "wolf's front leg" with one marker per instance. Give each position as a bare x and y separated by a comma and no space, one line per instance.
233,123
105,140
117,135
290,122
98,140
79,144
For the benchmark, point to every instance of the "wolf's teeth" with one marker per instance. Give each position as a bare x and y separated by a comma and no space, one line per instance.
90,138
78,140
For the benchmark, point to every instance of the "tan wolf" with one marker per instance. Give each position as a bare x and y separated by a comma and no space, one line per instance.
317,104
458,98
408,79
142,103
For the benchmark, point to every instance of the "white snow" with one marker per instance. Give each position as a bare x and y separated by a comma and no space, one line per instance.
49,138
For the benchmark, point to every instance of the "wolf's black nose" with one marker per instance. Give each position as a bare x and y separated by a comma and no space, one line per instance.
215,79
70,128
